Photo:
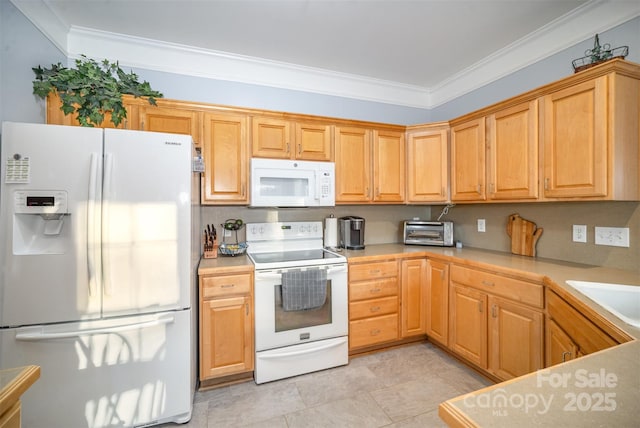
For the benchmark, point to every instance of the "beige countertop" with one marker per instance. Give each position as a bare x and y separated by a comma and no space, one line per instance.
600,389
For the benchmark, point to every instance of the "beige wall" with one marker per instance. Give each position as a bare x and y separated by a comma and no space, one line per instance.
556,219
384,225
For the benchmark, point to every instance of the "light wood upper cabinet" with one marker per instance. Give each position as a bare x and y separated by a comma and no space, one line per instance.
512,143
591,139
370,165
468,165
353,164
388,166
427,165
271,138
226,159
55,116
414,297
437,305
314,142
284,139
171,120
575,140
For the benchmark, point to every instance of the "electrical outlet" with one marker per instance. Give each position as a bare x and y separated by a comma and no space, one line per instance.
482,225
612,236
579,233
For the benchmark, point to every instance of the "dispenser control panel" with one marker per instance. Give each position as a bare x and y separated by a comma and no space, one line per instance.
40,202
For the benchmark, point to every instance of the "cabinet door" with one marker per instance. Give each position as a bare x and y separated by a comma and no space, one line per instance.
414,289
427,166
271,138
575,141
225,157
513,152
314,142
468,324
171,120
559,346
226,336
515,340
353,164
437,308
55,116
468,161
388,166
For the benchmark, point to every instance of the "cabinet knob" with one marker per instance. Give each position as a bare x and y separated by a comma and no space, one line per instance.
374,309
565,354
374,332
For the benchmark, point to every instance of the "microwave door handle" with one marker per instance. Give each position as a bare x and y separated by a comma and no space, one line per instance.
318,187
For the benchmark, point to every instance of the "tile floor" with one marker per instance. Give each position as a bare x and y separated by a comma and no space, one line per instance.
401,387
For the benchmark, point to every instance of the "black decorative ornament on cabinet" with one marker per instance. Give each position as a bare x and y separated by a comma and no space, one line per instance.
599,54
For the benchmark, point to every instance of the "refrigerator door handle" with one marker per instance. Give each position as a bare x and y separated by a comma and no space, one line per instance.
40,335
106,206
92,228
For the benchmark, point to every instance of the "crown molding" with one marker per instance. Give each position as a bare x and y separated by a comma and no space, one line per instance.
593,17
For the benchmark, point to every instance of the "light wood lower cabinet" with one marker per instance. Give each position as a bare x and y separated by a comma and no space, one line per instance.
226,325
373,303
413,306
437,306
559,346
497,334
468,324
569,331
515,340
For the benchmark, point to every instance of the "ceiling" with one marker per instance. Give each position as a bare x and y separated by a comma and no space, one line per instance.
379,50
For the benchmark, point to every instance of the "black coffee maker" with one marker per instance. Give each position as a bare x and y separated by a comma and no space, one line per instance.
351,231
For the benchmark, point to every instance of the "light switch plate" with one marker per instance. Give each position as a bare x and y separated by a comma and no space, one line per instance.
482,226
612,236
579,233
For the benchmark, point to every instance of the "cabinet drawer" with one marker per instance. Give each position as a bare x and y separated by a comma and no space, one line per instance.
584,333
371,331
373,289
373,270
373,308
514,289
215,286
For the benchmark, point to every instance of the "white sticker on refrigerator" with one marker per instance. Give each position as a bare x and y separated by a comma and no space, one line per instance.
18,170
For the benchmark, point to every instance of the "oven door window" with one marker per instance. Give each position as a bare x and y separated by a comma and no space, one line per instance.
292,320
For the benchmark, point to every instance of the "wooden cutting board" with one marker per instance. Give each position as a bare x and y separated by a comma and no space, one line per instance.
524,235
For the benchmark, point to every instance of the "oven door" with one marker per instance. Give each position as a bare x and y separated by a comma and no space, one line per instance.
276,327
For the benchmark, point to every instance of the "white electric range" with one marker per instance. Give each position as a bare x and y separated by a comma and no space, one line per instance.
301,304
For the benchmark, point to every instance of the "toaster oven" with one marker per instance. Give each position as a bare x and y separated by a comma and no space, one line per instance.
436,233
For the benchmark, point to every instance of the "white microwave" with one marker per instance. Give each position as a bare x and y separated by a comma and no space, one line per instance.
291,183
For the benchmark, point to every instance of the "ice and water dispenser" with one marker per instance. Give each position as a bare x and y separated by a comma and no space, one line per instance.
38,222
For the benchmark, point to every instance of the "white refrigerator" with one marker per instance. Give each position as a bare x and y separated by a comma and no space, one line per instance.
98,261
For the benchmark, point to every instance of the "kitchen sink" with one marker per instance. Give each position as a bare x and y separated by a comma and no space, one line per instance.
621,300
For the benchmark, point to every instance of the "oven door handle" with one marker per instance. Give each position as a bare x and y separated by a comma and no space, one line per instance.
278,273
302,351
